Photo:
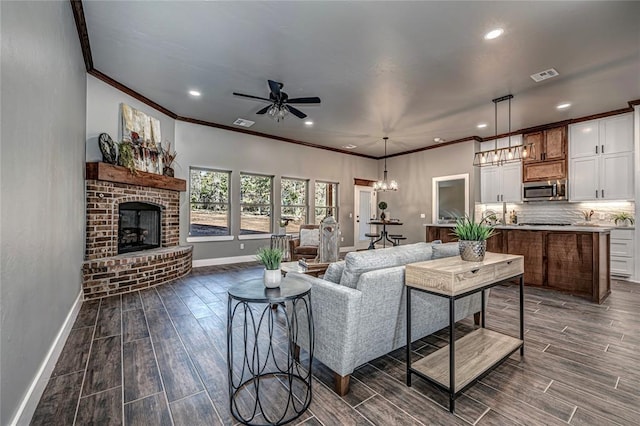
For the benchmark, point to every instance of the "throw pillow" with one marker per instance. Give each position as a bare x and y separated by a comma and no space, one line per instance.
310,237
334,272
445,250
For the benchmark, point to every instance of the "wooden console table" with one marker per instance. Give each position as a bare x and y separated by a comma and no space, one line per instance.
479,351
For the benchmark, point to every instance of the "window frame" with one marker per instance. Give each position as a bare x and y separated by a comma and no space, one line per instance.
335,205
253,236
306,198
204,238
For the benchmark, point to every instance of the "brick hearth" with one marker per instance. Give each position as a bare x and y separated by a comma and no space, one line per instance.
104,271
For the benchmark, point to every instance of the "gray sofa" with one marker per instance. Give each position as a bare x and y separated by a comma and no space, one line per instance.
359,307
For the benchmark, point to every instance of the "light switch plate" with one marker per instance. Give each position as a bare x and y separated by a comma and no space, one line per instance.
423,216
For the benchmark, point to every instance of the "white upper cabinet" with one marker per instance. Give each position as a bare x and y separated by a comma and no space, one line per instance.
601,159
616,134
501,183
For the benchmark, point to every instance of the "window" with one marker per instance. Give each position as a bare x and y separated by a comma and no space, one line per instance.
255,204
210,204
294,202
326,200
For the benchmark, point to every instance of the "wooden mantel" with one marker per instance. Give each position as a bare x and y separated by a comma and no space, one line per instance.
111,173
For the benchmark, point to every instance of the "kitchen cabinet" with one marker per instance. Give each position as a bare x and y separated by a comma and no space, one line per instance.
549,155
601,159
529,244
622,250
570,261
501,183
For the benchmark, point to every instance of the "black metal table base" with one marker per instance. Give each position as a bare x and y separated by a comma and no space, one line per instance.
268,385
451,390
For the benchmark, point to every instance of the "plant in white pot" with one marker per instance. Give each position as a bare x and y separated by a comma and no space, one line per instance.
623,219
472,238
271,258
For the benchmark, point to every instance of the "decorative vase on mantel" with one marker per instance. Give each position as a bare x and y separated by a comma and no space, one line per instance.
272,278
472,251
168,171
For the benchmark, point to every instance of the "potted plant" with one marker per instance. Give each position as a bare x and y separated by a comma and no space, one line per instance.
382,206
472,238
271,258
624,218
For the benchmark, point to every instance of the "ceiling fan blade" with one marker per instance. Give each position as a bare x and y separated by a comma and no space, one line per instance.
275,88
296,112
252,97
311,100
264,110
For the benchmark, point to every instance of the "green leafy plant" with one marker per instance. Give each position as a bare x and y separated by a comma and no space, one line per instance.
270,257
125,157
622,217
382,205
467,230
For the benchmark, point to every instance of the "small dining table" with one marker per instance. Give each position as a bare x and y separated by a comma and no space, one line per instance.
384,235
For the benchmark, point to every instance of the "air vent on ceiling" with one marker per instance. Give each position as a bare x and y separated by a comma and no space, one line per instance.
543,75
244,123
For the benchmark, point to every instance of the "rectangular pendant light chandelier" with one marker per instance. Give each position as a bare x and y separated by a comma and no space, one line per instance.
499,156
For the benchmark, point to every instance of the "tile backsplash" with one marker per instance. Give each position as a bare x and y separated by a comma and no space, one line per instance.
558,211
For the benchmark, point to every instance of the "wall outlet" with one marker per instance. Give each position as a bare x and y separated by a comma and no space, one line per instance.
342,239
601,216
423,216
350,215
241,246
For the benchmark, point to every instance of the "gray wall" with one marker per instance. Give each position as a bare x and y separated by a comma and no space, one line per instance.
414,173
209,147
42,186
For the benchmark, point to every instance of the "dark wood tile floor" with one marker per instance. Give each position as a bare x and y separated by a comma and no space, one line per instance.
158,357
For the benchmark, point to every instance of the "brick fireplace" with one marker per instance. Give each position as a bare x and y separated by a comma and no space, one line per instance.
105,272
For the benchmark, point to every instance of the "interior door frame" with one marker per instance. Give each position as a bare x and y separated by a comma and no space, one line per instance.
356,215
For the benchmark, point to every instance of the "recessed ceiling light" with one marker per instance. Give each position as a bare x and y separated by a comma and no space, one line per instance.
350,146
482,125
308,123
438,140
563,105
194,93
493,34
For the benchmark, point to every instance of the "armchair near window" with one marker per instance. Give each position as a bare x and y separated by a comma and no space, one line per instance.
306,245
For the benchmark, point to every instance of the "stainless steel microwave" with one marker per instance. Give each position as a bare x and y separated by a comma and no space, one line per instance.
545,191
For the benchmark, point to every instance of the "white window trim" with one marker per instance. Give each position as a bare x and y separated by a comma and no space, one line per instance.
208,238
254,236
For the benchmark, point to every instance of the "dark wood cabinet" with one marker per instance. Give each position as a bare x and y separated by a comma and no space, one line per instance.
548,161
528,244
570,261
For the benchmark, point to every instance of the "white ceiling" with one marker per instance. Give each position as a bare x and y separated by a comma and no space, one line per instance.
408,70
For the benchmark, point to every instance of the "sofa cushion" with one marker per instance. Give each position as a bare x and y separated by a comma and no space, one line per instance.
357,263
310,237
445,250
334,272
306,250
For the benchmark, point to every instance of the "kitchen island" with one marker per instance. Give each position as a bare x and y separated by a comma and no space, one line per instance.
573,259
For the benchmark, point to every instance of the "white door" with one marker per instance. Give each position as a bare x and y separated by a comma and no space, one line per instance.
616,134
365,209
584,139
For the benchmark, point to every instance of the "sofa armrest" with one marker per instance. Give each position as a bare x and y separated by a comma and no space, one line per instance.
336,319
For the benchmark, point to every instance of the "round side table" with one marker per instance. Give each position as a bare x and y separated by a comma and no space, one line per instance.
268,384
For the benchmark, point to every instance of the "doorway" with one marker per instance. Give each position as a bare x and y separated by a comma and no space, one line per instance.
365,209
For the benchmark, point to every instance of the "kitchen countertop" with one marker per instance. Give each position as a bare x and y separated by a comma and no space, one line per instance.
576,228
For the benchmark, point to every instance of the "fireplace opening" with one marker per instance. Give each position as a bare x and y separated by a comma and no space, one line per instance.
138,227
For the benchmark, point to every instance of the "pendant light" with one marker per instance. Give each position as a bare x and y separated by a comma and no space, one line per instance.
384,184
499,156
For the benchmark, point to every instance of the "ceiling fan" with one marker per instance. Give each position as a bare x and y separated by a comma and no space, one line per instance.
280,102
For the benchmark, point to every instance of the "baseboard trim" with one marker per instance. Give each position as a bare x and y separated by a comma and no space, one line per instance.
199,263
30,401
223,260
